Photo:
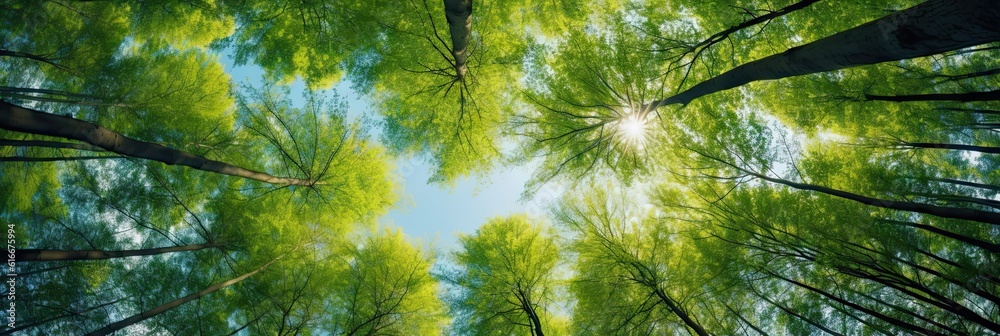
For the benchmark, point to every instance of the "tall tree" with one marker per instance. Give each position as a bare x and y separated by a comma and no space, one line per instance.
630,274
930,28
51,255
506,278
131,320
386,288
21,119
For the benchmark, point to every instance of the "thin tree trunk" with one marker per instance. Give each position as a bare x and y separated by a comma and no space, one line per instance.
960,97
981,149
44,91
20,119
55,159
789,311
915,290
108,329
41,322
672,305
536,323
52,255
39,58
995,248
929,28
967,110
968,184
459,15
889,319
951,78
939,211
906,311
244,326
707,43
744,320
960,199
719,36
49,144
972,288
961,52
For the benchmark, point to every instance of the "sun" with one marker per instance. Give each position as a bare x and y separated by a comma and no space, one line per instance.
632,130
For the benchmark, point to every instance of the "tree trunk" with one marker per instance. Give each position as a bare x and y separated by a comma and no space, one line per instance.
459,15
981,149
968,184
960,97
707,43
791,312
50,319
108,329
20,119
55,159
722,35
929,28
967,110
52,255
39,58
536,323
960,199
889,319
10,89
952,78
939,211
945,233
49,144
671,304
918,290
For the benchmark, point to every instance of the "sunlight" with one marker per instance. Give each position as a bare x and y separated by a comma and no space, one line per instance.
632,130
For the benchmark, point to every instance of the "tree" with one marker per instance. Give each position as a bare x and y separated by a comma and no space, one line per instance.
111,328
506,278
869,267
585,99
629,270
50,255
930,28
386,288
20,119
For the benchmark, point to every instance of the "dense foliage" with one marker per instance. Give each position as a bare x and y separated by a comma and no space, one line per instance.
730,167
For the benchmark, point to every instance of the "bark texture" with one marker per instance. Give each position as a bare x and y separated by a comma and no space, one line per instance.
459,15
20,119
932,27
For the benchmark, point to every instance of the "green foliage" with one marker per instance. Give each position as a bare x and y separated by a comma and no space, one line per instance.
505,277
583,96
771,208
386,288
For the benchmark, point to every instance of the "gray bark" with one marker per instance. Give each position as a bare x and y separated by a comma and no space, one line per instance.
459,14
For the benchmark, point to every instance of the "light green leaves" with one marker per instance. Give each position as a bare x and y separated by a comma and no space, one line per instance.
507,278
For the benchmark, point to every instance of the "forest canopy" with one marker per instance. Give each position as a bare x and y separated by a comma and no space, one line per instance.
740,167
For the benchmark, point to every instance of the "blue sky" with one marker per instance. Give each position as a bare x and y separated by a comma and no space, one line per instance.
432,214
